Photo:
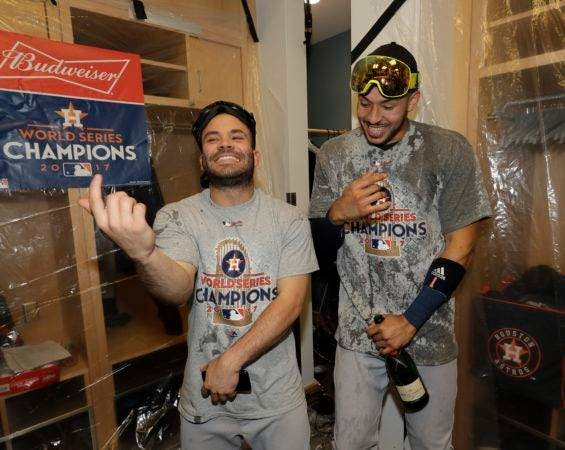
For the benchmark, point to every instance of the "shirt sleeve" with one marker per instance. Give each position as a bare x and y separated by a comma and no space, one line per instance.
463,199
173,237
297,256
322,194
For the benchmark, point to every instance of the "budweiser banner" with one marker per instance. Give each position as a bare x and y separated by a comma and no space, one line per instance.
68,112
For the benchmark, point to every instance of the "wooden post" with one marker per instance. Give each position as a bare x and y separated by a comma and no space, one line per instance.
99,379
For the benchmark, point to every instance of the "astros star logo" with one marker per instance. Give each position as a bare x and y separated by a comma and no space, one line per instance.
234,263
72,116
513,352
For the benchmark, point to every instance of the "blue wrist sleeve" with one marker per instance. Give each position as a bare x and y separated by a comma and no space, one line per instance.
424,305
443,277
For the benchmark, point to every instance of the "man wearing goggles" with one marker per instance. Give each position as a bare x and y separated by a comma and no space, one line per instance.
404,236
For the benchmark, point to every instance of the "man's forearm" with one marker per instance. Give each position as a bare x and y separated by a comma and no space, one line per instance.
267,331
165,278
460,251
444,275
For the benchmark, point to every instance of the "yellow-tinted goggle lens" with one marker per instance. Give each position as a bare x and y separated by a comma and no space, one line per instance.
392,77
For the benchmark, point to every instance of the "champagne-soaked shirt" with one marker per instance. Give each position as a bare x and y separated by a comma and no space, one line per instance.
240,253
436,187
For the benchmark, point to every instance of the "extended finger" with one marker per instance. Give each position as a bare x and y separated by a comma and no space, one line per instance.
215,398
96,203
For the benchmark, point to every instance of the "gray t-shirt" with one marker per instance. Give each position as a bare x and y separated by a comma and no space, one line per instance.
436,187
240,253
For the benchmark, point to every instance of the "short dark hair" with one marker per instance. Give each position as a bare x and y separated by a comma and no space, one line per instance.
222,107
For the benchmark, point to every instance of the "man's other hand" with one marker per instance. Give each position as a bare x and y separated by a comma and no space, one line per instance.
392,334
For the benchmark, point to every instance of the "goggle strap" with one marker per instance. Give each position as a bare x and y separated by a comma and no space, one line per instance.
414,77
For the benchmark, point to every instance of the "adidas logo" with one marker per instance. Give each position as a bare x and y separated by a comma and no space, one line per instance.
439,272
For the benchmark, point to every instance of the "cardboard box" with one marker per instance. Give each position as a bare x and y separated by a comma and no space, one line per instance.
12,383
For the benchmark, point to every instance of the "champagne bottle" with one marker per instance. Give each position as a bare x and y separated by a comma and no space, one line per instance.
403,373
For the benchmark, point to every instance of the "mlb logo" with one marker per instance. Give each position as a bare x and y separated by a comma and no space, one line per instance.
233,314
380,244
382,247
234,317
77,169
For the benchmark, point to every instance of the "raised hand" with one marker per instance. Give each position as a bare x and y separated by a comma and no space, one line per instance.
359,199
122,219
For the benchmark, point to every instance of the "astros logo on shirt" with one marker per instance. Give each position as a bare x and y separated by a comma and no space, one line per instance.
232,292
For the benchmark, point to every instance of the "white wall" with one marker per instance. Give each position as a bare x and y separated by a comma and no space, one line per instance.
282,88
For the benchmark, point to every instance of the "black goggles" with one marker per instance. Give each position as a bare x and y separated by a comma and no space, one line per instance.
222,107
392,77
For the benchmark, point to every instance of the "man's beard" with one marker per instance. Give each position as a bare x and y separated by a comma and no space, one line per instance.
238,178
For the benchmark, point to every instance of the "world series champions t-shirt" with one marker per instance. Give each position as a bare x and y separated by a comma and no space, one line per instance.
435,187
240,253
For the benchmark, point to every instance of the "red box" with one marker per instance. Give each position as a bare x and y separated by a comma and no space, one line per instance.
12,383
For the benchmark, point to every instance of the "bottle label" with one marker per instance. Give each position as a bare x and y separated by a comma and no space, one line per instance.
411,392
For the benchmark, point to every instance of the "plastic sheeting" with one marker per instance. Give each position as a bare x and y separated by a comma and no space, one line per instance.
511,308
519,306
64,281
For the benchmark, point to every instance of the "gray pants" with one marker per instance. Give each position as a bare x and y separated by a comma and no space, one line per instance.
360,385
288,431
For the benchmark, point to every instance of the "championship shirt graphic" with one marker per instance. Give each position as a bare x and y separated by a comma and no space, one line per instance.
233,293
385,233
514,352
68,112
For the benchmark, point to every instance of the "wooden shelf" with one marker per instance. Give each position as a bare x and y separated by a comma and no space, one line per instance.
80,368
138,374
77,425
150,42
138,338
526,36
145,332
522,64
36,409
164,65
161,81
167,101
526,14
